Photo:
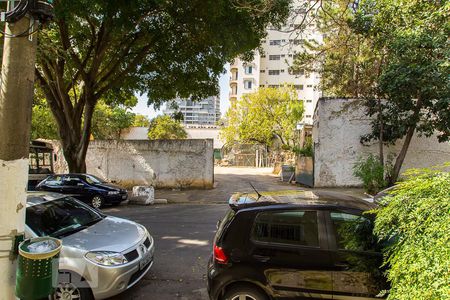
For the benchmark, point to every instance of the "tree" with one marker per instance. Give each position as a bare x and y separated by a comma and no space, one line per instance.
165,127
107,121
110,49
393,55
414,81
141,121
261,116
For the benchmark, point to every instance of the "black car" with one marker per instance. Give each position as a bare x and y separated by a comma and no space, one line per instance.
87,188
296,245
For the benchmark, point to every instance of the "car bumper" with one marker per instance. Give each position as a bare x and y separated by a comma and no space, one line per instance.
116,198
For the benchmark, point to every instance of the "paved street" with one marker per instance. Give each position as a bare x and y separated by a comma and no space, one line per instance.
183,232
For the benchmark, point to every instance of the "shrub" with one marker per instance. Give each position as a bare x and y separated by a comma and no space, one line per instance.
307,150
371,173
416,216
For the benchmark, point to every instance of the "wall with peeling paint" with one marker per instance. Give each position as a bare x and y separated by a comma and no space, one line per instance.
338,126
161,163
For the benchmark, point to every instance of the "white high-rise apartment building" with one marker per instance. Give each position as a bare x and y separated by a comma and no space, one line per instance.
270,68
203,112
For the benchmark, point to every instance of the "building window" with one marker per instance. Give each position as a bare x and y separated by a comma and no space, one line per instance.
309,86
297,41
282,55
298,86
308,101
274,72
248,70
261,85
290,55
297,72
274,57
248,84
263,41
275,42
262,71
274,86
308,116
263,56
282,70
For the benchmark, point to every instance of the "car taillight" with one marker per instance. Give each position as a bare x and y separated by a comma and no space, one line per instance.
219,255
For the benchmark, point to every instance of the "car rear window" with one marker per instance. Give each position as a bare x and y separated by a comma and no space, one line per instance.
224,223
292,227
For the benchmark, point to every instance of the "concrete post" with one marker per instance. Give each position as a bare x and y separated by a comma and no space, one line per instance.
16,94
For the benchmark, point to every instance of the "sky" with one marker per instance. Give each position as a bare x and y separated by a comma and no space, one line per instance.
143,109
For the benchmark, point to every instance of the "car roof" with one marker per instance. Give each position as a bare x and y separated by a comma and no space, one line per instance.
304,198
35,198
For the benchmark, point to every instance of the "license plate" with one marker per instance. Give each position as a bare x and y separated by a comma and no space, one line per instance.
145,260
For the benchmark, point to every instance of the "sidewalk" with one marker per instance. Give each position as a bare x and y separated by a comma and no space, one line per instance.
229,180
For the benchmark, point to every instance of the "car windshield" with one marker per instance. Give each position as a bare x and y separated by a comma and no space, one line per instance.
93,179
61,217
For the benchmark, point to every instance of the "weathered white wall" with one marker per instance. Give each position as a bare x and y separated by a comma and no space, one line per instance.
161,163
194,132
338,126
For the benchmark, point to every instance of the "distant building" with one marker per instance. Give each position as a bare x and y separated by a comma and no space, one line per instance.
203,112
271,67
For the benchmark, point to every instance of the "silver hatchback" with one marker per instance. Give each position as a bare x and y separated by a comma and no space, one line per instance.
101,256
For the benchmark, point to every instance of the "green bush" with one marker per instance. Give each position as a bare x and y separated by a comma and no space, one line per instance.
416,216
307,150
371,173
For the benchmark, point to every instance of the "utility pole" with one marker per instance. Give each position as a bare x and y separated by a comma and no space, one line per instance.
16,95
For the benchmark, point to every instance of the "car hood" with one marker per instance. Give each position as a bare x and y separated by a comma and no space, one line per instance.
110,234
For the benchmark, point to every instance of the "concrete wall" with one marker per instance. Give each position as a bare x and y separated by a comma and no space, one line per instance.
161,163
338,126
194,132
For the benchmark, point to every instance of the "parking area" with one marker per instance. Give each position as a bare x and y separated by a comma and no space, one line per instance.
183,231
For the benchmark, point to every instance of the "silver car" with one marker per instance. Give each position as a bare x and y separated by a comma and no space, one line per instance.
101,256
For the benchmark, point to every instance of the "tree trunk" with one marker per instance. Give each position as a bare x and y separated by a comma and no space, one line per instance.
380,137
402,154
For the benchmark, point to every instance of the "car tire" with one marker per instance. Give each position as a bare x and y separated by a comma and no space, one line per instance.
70,288
97,201
250,293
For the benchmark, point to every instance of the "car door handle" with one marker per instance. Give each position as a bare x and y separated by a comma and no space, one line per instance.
261,258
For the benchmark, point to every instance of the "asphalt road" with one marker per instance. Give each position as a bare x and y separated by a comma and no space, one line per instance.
183,236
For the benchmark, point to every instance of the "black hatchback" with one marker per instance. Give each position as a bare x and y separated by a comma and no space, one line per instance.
296,245
87,188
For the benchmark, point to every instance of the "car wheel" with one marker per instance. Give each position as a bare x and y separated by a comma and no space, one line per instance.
70,290
244,292
97,202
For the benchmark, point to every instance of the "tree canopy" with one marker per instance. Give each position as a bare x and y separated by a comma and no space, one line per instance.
141,121
107,122
111,50
394,56
264,115
165,127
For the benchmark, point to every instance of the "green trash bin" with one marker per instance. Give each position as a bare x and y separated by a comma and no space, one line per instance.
37,269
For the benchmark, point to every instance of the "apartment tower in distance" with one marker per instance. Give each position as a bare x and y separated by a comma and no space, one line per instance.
271,67
203,112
